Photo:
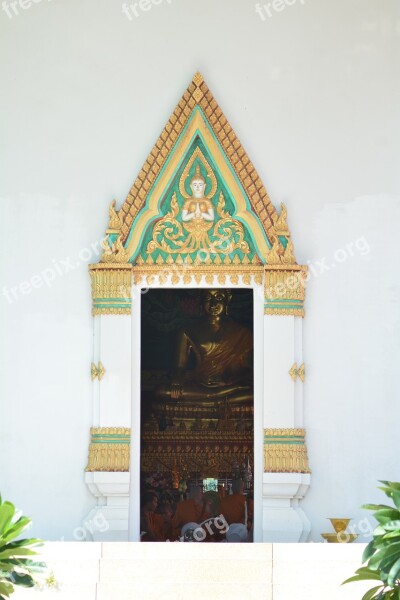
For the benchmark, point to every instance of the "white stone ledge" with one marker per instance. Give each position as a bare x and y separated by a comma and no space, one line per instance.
125,571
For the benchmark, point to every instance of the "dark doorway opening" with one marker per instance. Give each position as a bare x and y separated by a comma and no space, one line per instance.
197,402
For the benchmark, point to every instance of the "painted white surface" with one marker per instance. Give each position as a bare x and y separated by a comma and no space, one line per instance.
116,356
126,571
312,93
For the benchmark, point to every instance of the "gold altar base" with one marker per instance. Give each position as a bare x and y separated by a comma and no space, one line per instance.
206,453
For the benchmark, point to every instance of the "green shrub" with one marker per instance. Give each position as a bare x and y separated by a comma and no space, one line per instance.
382,555
15,567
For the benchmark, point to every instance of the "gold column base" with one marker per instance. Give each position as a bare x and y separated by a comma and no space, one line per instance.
109,449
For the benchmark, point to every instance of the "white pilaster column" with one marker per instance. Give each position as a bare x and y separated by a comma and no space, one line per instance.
283,518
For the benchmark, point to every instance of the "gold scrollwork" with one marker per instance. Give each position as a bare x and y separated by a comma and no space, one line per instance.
114,252
169,234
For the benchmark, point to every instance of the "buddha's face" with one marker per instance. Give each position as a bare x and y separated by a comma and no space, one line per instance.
197,186
215,302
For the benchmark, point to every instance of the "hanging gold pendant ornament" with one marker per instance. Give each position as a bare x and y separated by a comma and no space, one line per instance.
98,371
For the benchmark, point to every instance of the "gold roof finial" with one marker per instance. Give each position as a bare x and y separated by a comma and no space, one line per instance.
198,78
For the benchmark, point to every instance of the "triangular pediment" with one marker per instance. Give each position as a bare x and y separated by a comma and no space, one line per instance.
161,219
198,123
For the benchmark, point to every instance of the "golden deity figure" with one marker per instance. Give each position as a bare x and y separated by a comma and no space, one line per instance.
198,207
197,210
223,351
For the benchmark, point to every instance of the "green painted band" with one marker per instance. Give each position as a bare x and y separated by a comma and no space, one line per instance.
111,442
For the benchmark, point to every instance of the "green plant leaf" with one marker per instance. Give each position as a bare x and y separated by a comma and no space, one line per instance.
363,574
22,579
7,511
394,573
17,552
389,553
395,485
371,593
6,588
387,515
16,529
368,551
376,506
393,525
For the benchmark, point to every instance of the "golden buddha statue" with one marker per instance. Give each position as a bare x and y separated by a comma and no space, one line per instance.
223,351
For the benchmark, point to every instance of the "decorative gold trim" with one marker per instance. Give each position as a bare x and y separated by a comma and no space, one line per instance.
115,221
284,289
114,252
297,372
111,288
293,371
109,449
285,451
225,274
98,371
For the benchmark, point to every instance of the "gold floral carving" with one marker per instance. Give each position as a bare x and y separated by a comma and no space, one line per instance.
115,221
169,235
109,449
114,252
111,288
285,451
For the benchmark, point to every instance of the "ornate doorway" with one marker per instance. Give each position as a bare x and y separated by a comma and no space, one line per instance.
197,217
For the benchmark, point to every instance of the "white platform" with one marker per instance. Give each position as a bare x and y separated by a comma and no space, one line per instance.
134,571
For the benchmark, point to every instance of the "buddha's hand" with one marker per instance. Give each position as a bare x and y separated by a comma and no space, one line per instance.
176,390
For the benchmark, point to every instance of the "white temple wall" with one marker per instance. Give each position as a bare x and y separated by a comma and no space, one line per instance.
86,92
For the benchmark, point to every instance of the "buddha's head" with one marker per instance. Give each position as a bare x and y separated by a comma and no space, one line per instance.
215,302
198,184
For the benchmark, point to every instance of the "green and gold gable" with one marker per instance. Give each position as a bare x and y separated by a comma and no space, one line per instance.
198,209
